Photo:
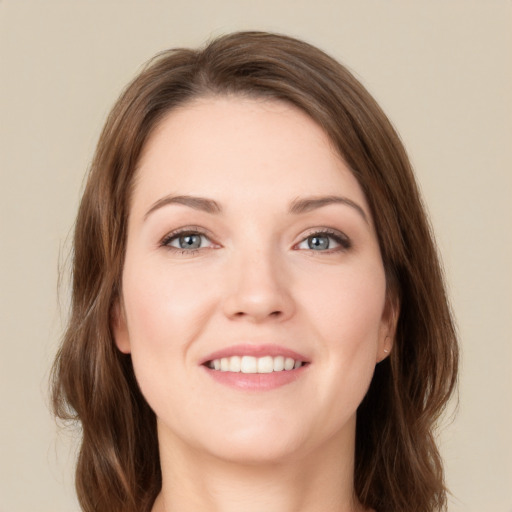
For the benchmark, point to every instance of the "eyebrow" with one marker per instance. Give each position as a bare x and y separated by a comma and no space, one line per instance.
297,206
197,203
308,204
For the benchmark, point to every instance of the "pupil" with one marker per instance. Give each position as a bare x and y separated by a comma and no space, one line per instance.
190,241
318,242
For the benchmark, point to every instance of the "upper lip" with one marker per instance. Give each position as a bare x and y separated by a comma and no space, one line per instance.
255,351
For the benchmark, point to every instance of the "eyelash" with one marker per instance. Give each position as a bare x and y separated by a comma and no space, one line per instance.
189,230
340,238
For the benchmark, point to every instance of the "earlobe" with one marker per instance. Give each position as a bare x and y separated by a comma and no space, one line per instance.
120,328
385,349
390,319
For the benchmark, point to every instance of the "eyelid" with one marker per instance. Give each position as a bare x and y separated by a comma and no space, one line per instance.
185,230
340,238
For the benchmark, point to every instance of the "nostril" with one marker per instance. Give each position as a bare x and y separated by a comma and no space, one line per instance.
272,313
258,305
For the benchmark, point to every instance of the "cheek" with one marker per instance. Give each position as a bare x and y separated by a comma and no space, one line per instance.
164,311
347,306
164,305
346,311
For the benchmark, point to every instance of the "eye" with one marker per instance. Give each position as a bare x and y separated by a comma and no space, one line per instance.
186,241
325,241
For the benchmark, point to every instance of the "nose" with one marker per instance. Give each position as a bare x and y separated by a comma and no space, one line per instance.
258,289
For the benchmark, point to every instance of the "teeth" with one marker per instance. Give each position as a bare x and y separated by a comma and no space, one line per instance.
235,364
265,364
278,363
250,364
289,363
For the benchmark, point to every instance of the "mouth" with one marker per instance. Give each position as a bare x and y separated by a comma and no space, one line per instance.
251,364
255,367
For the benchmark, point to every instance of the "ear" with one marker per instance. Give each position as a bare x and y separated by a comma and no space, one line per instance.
387,329
120,327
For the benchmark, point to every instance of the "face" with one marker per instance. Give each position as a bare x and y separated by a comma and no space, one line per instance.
253,290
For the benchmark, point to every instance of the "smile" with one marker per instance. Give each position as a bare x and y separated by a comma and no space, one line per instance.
251,364
255,368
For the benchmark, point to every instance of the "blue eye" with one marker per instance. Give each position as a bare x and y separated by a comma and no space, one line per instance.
186,241
325,241
319,242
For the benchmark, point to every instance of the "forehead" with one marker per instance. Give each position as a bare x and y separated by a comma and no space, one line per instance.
216,146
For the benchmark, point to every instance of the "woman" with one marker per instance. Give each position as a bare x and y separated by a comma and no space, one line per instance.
259,319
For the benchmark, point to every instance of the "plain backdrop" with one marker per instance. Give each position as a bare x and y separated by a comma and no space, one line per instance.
442,70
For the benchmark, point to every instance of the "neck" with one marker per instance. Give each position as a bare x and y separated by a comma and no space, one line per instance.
314,482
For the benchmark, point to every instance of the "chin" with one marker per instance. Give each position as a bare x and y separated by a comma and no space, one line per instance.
257,454
256,444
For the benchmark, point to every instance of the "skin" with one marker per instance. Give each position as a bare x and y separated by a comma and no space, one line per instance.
255,279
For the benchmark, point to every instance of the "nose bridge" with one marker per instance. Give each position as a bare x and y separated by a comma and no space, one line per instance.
258,288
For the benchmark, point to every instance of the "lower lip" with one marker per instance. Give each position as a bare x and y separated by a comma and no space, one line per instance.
256,381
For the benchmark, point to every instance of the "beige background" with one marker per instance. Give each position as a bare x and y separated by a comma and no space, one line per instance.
442,70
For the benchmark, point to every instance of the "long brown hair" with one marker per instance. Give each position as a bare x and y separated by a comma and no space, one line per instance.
398,467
